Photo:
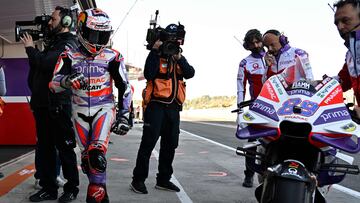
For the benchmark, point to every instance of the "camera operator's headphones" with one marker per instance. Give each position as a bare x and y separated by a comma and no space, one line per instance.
249,36
66,19
282,38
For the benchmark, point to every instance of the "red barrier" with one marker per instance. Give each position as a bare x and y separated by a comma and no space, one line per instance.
17,125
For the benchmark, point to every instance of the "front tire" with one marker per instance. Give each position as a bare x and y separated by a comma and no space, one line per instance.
283,190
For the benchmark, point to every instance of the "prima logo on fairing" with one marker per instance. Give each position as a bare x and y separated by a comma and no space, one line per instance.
90,69
333,115
265,109
300,91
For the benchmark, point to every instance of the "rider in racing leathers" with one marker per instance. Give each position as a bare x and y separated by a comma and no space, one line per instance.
282,56
89,72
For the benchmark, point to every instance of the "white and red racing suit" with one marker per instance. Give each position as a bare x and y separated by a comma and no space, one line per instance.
93,108
288,58
251,70
349,75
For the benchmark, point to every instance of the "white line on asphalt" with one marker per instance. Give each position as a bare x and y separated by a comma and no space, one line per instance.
211,141
335,186
183,197
214,124
347,190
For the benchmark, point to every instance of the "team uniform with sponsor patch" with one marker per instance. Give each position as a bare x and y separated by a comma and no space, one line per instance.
251,70
349,75
295,61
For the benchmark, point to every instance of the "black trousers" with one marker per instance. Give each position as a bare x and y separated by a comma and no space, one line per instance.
249,161
159,120
55,131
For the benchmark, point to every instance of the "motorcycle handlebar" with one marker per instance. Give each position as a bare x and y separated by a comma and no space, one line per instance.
242,105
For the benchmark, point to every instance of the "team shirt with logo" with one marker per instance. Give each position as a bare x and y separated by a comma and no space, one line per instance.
251,70
296,63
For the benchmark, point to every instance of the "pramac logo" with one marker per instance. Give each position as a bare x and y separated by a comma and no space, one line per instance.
335,97
268,92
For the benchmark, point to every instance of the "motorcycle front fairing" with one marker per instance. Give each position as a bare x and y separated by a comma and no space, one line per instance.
319,103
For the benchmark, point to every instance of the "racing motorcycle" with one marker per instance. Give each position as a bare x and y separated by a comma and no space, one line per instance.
300,128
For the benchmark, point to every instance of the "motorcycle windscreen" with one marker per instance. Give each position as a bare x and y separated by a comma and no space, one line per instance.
301,70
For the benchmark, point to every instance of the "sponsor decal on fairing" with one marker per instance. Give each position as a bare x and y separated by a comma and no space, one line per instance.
248,117
265,109
333,115
350,127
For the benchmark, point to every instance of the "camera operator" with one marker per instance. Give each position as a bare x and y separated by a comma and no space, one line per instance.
52,112
164,96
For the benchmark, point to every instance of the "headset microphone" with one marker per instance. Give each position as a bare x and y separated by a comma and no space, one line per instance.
352,29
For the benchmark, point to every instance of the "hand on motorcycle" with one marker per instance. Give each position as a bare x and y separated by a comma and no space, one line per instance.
75,81
121,125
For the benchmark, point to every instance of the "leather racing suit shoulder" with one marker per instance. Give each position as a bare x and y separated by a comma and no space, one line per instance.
100,72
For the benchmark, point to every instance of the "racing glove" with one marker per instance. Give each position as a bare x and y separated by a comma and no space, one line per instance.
121,125
75,81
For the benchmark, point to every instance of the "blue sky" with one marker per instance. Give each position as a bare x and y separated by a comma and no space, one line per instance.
210,27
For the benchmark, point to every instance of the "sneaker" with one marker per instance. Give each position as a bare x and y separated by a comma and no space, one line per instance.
138,187
60,182
37,185
248,181
42,195
168,186
67,197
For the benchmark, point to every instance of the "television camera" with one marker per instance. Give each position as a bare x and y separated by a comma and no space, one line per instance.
171,40
40,32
